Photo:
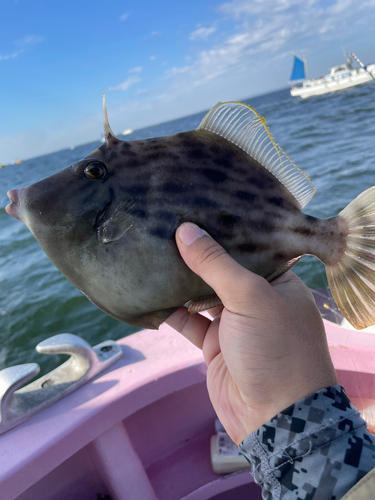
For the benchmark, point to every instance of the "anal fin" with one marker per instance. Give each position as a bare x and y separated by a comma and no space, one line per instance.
204,303
283,268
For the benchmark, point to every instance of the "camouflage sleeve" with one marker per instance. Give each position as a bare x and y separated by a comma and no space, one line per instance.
316,449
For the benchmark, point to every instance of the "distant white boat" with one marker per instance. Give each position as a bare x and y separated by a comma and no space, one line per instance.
127,131
339,78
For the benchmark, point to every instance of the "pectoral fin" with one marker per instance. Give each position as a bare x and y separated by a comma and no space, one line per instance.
118,223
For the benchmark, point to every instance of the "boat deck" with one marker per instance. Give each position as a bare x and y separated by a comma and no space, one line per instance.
142,430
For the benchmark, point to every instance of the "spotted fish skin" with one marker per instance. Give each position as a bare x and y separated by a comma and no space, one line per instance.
199,177
196,176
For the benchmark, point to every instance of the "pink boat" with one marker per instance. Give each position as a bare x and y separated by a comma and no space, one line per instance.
143,429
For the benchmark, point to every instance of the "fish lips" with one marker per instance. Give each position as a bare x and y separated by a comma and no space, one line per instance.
17,206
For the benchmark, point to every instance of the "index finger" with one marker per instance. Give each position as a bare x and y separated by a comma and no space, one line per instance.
192,326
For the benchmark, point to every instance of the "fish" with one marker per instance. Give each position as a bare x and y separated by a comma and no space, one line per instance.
108,222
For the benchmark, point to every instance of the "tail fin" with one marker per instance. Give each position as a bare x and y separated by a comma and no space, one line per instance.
352,279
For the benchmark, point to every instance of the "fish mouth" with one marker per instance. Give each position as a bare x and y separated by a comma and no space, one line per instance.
15,208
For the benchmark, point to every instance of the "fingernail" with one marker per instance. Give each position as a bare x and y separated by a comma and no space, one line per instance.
189,232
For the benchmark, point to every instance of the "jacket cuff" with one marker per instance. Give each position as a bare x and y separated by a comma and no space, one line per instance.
302,445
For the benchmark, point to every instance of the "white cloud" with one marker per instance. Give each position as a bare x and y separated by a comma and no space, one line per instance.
264,29
202,33
261,31
238,8
156,33
23,44
29,40
340,6
13,55
233,53
124,17
126,84
249,56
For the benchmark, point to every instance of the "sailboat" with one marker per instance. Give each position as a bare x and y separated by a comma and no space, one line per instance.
339,78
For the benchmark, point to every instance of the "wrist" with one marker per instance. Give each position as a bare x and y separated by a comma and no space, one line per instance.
277,401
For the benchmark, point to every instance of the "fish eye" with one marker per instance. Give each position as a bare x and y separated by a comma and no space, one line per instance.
95,170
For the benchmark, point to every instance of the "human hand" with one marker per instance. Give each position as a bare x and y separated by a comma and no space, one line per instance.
265,349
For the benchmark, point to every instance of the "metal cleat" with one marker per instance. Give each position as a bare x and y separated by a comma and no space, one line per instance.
18,404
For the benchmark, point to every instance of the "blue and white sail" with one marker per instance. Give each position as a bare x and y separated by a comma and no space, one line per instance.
298,73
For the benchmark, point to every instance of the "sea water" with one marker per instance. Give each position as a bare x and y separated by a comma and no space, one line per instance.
330,137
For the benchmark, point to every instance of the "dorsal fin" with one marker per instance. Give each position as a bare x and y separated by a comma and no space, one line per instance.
242,125
108,133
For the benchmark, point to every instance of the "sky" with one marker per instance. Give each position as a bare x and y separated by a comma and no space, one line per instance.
155,60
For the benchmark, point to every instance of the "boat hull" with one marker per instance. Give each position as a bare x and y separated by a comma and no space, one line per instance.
321,86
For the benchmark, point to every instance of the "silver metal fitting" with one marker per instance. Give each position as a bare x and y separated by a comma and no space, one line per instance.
18,403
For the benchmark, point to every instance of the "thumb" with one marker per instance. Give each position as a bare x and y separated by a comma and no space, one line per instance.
212,263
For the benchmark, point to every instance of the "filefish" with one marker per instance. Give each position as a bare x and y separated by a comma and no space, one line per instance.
108,222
